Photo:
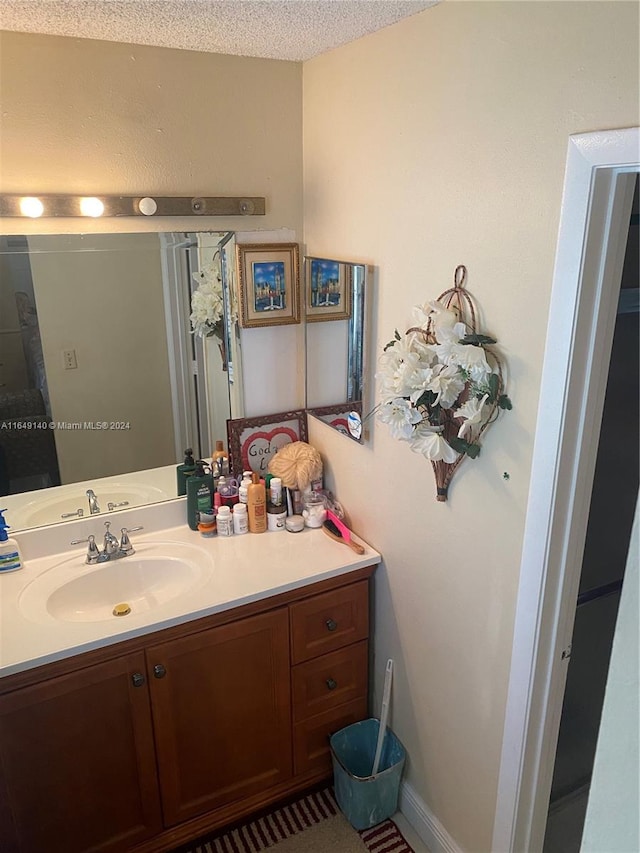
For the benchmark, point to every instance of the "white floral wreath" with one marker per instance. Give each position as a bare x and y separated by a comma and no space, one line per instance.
440,383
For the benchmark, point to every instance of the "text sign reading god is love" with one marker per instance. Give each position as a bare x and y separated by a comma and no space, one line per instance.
260,446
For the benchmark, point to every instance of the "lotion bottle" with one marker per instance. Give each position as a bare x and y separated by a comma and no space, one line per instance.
10,557
185,470
199,494
257,505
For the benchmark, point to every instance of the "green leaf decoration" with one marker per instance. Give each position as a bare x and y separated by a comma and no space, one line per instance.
494,387
504,402
477,340
425,399
398,338
388,346
462,446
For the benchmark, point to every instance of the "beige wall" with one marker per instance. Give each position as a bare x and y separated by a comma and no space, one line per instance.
442,141
85,116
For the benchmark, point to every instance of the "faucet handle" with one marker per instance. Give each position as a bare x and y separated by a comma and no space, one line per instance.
110,541
125,542
92,551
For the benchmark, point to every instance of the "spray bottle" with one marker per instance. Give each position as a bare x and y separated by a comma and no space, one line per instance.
10,557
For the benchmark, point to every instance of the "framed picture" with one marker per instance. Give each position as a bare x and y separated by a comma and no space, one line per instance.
253,442
328,290
268,284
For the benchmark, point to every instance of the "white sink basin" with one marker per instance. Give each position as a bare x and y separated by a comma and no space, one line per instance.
46,509
72,591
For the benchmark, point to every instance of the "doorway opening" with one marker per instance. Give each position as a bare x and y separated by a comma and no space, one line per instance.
611,513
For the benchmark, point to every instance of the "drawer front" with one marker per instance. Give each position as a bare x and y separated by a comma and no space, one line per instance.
330,680
311,737
329,621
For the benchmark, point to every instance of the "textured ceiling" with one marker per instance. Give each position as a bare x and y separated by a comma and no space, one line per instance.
275,29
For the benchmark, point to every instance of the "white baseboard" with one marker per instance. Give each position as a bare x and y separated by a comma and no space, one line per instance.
425,823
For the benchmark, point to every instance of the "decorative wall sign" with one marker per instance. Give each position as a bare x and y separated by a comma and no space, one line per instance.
268,283
442,383
254,441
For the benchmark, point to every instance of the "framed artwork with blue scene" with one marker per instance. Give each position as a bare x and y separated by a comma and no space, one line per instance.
268,283
328,290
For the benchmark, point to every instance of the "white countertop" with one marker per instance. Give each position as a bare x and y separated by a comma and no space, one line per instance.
240,569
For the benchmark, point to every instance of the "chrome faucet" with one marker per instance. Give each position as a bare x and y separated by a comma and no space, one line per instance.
112,549
94,508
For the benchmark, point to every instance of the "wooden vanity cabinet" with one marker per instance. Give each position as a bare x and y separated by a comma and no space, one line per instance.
147,744
77,762
221,714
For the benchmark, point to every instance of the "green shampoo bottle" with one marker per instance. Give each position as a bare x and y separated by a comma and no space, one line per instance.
185,471
200,491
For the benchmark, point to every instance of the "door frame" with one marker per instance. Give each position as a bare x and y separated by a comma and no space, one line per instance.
598,190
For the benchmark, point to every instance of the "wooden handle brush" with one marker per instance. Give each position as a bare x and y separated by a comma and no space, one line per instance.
335,531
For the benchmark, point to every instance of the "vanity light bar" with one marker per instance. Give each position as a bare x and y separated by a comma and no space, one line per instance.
109,205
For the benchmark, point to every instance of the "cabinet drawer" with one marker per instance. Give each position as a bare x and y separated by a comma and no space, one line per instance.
329,681
311,737
329,621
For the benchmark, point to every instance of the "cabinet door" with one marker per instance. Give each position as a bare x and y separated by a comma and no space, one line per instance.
221,713
77,763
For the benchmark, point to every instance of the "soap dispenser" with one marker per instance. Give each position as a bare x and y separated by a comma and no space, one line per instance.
10,557
185,470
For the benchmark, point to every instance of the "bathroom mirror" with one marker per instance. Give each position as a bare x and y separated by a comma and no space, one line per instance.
102,382
335,313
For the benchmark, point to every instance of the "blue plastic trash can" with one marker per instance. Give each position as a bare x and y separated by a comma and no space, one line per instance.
366,800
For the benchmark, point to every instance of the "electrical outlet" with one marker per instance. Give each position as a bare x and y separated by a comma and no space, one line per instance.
69,359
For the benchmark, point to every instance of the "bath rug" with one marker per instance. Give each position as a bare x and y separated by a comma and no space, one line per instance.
312,824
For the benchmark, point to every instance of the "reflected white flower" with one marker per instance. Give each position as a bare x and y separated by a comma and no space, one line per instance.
206,302
400,416
446,383
471,411
429,441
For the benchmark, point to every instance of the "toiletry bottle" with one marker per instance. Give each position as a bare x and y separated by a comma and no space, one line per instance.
199,493
240,519
10,557
257,505
220,460
224,521
207,523
184,471
276,492
244,485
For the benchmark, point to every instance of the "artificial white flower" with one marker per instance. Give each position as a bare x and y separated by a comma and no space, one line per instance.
474,360
446,326
206,303
429,441
471,411
447,383
402,372
400,416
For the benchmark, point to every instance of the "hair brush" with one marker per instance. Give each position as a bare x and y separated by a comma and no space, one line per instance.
334,528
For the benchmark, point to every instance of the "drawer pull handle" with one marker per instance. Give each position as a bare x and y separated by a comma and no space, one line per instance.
332,683
137,679
331,624
159,671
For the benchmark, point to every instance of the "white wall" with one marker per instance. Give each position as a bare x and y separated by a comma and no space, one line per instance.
442,141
